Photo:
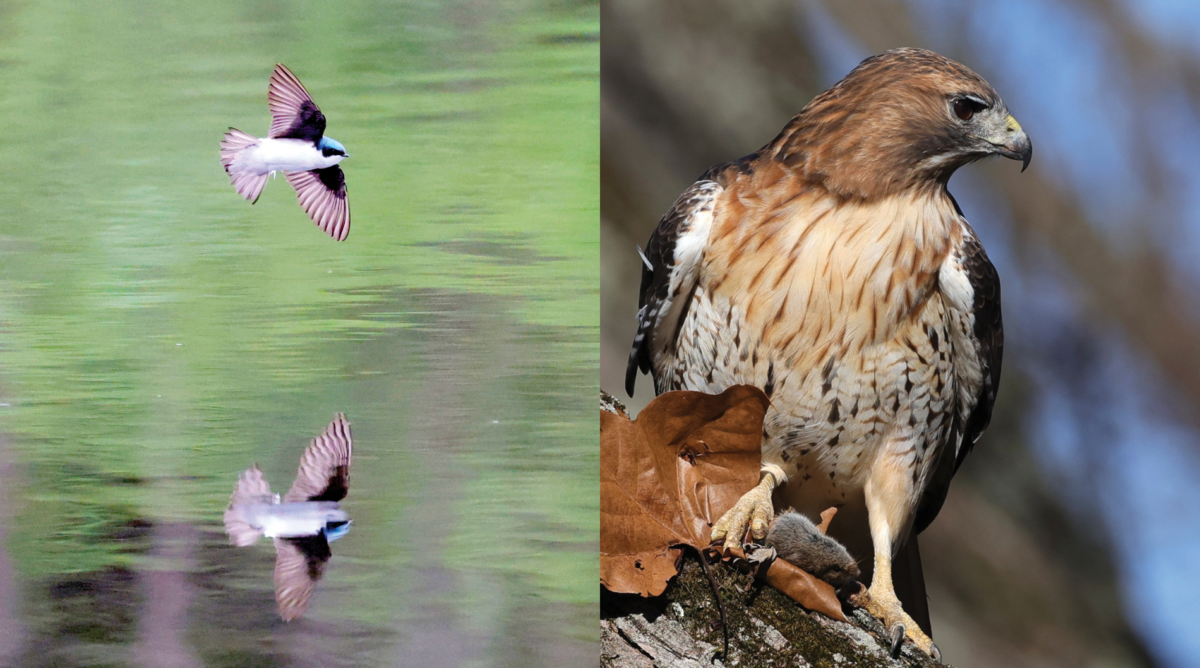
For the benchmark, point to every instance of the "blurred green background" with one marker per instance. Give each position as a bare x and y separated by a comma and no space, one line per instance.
158,334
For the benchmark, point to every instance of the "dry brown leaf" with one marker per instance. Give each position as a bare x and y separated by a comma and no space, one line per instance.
804,589
797,584
826,518
667,476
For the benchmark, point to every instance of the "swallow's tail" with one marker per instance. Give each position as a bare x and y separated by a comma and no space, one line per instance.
248,184
251,490
241,533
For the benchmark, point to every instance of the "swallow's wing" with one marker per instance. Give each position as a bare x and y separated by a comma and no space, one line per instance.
324,473
299,563
251,488
322,194
294,115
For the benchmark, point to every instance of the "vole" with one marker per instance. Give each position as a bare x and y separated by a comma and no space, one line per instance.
800,543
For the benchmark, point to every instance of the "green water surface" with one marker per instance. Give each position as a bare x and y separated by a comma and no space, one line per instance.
158,334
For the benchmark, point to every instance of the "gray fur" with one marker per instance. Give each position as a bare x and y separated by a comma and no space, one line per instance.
800,543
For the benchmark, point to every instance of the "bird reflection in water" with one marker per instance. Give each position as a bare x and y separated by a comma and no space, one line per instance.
306,520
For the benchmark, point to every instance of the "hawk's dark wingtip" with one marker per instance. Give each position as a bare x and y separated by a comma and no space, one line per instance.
631,372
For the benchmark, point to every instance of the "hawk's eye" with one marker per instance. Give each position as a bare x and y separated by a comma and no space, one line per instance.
965,108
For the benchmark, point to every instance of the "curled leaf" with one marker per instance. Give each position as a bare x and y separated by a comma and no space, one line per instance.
804,589
797,584
667,476
826,518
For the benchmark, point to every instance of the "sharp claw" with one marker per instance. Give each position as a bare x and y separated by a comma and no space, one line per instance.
758,528
897,640
935,653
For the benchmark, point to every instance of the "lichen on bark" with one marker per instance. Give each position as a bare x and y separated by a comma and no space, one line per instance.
681,629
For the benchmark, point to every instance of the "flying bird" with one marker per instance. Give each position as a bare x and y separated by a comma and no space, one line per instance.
297,146
834,270
306,520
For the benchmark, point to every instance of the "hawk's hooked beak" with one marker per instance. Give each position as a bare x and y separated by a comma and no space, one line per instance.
1012,142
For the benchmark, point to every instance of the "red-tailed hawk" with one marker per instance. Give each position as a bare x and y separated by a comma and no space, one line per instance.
834,270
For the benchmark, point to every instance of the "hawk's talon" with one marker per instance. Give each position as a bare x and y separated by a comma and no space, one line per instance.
750,516
935,653
884,606
897,640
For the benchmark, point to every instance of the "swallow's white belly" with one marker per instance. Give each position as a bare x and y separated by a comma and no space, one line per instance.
287,520
285,155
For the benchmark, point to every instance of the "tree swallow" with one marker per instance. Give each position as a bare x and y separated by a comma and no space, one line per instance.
304,523
297,146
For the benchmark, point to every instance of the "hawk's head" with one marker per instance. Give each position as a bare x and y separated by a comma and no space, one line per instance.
902,118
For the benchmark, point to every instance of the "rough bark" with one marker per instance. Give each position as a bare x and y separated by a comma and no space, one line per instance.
682,629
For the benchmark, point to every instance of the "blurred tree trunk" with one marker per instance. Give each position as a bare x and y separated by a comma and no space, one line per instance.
167,594
11,631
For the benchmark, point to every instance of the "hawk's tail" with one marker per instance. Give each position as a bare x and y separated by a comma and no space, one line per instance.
248,184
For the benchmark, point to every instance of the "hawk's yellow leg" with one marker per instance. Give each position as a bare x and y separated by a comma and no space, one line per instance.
886,494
